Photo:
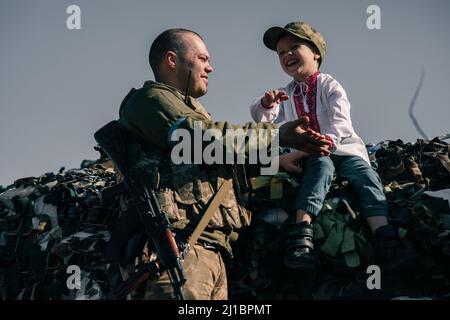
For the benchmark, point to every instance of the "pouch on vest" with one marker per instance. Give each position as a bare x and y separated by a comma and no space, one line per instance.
191,184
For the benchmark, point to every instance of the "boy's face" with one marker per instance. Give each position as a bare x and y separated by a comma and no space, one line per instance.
297,57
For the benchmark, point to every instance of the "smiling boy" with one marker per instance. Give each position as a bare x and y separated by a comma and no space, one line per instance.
318,96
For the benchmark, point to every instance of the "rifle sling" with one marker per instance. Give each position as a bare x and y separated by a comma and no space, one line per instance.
213,206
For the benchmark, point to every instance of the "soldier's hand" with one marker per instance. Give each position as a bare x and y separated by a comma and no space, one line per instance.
314,134
292,135
273,97
289,162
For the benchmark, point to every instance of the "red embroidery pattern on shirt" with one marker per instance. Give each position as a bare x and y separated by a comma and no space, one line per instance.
311,93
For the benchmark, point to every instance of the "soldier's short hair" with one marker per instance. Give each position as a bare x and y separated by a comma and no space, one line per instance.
169,40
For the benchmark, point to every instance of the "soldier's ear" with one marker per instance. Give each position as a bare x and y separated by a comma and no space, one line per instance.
171,59
316,57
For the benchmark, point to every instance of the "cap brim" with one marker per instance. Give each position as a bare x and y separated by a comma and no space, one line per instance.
272,35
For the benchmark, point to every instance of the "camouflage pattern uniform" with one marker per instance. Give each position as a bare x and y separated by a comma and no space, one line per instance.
185,190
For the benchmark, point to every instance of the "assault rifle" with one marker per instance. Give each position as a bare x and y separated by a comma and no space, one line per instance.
161,240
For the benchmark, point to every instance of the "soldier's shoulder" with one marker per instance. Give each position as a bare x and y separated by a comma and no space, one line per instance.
156,90
152,96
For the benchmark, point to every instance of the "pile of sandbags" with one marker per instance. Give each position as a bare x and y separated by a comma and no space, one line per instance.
416,180
55,225
50,223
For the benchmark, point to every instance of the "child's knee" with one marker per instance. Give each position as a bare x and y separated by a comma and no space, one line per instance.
322,165
368,177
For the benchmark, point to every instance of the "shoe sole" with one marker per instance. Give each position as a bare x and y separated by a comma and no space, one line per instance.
406,264
305,266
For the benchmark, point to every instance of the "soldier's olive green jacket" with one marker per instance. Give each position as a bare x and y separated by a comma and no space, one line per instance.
150,114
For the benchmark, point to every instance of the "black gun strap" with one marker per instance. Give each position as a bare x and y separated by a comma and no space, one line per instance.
213,206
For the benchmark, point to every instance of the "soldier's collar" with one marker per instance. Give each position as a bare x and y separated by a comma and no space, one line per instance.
192,102
166,86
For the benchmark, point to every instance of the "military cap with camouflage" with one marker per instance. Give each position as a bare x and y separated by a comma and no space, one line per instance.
297,29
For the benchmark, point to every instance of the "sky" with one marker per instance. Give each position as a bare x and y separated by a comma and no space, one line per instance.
58,86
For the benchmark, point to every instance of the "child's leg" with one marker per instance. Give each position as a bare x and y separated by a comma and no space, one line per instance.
317,178
388,249
316,182
303,215
367,184
376,221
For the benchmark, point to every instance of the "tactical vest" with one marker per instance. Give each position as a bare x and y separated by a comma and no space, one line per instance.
185,190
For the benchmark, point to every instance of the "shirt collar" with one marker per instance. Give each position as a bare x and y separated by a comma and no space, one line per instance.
301,87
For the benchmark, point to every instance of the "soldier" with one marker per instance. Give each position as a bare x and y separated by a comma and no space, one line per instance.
179,60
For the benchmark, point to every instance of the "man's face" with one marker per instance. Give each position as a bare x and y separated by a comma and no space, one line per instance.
296,57
197,60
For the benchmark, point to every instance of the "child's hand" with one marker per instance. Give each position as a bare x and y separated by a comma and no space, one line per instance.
320,137
271,98
293,135
315,135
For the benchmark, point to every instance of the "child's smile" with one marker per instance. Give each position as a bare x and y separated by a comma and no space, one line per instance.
296,57
291,62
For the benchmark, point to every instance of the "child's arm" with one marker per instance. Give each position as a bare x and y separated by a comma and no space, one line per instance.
267,107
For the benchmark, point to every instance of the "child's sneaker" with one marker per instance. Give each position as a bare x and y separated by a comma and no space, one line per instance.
299,247
390,253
